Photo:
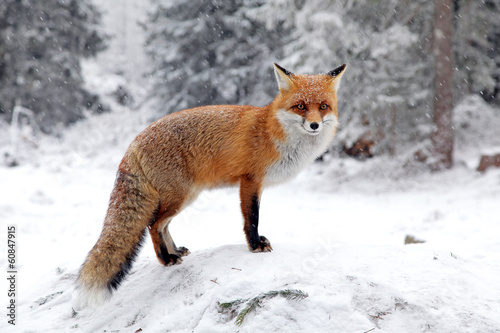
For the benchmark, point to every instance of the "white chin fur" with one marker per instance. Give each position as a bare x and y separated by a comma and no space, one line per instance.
90,297
313,133
307,127
300,147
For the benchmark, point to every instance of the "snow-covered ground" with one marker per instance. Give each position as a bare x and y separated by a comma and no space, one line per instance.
338,234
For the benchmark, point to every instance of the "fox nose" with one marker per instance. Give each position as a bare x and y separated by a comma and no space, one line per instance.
314,126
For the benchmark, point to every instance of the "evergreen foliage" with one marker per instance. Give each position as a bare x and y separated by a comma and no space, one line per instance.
477,40
213,52
41,45
253,303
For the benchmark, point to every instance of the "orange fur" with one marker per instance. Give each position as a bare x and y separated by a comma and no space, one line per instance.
181,154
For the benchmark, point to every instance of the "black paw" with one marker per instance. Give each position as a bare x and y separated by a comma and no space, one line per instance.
263,245
169,259
182,251
173,259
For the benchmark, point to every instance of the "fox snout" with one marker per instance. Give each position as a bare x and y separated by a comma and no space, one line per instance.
313,127
315,124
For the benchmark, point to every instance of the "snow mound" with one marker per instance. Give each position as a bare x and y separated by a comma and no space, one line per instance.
351,288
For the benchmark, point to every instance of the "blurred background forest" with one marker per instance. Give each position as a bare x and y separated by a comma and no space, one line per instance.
221,52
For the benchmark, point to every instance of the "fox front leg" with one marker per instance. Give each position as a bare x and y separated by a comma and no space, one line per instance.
250,191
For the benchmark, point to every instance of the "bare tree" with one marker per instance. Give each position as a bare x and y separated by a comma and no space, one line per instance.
443,136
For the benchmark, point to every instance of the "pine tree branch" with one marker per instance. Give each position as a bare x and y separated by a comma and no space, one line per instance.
229,305
251,304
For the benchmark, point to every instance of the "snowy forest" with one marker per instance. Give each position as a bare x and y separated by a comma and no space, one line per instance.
406,218
215,52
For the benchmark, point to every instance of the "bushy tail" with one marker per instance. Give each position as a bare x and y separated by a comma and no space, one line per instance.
132,208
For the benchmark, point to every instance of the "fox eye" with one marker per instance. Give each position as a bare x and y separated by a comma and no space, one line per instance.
301,106
323,106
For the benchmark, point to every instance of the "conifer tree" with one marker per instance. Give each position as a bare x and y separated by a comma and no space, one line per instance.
41,46
214,52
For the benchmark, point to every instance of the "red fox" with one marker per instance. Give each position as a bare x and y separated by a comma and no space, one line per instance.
176,157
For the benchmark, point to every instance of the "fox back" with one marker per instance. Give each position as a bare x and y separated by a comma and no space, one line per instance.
175,158
216,145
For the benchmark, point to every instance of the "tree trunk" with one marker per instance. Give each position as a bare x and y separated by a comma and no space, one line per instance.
442,138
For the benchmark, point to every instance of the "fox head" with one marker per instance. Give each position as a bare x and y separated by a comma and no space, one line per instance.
308,103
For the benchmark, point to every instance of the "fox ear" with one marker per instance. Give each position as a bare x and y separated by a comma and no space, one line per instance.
336,74
283,77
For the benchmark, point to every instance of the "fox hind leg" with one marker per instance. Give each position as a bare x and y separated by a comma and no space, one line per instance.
166,250
169,243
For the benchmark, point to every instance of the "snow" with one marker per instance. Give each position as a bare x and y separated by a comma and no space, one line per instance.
337,231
